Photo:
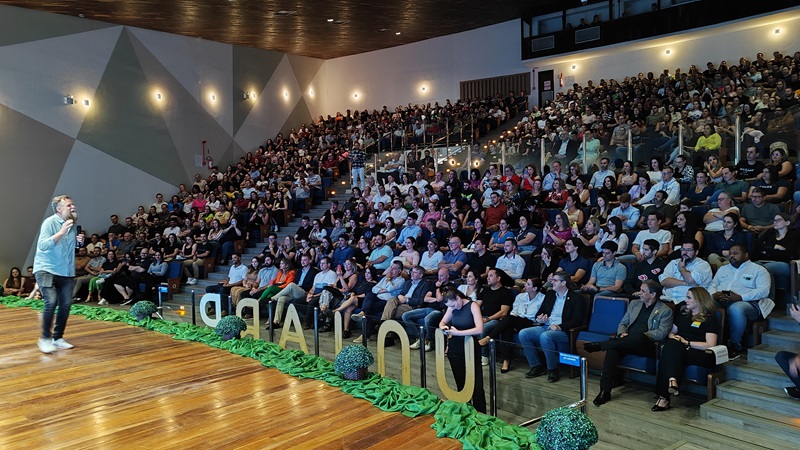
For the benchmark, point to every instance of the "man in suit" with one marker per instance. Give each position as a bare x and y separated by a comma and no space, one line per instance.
411,296
562,310
646,321
296,291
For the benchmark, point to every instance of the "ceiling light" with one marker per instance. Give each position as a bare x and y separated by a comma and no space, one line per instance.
330,20
86,103
69,100
398,33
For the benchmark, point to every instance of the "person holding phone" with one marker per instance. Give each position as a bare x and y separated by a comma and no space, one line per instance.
54,270
463,318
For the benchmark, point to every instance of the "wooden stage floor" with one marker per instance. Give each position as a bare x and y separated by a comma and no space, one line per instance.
127,387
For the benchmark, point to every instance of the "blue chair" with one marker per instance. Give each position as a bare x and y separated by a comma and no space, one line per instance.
606,314
174,272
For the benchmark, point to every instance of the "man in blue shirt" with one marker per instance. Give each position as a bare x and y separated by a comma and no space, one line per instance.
342,252
54,270
410,230
578,267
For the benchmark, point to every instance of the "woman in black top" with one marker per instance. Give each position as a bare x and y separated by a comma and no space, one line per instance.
775,249
355,297
361,253
695,329
463,318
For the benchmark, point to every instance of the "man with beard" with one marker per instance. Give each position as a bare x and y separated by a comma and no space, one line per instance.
684,273
511,263
742,288
54,269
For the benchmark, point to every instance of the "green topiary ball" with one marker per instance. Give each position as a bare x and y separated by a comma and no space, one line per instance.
566,429
143,309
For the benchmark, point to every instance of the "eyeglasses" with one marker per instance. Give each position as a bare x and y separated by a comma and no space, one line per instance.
690,249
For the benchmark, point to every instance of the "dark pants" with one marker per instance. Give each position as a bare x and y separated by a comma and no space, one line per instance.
373,309
673,360
505,330
616,348
56,292
223,291
455,354
783,359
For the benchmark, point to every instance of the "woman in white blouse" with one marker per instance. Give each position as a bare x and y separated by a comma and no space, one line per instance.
431,257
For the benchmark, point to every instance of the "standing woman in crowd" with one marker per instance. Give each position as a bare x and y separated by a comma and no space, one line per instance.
461,320
684,230
695,330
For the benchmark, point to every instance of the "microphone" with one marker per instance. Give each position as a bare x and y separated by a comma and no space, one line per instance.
77,244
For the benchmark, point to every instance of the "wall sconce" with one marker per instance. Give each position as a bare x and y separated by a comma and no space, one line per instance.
212,97
86,103
311,92
286,94
253,95
68,100
245,95
355,95
423,88
158,96
574,66
668,52
777,31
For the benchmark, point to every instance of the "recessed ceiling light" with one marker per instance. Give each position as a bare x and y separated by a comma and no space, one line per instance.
398,33
330,20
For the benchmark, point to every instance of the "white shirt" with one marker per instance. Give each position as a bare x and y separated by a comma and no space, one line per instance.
599,177
513,266
237,273
431,262
662,236
700,270
385,199
672,188
750,280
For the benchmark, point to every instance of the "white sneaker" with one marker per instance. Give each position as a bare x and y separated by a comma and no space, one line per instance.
62,344
428,346
128,301
415,345
46,345
358,340
484,360
102,302
191,281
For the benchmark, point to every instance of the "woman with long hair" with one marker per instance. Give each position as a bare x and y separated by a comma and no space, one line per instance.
285,275
557,197
695,330
356,298
522,315
558,234
722,241
13,284
613,233
685,229
463,319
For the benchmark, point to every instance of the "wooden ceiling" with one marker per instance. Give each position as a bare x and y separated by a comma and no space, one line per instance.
300,27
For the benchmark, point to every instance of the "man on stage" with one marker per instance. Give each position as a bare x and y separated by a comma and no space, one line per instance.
54,270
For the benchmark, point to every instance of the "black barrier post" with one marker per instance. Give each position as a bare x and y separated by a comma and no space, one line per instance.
316,331
271,322
423,370
492,378
194,310
230,305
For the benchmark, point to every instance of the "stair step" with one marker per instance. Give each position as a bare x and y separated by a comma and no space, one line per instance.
764,374
787,340
783,323
751,418
763,354
734,436
756,395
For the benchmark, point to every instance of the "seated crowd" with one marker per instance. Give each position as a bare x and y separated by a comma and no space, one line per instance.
531,249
